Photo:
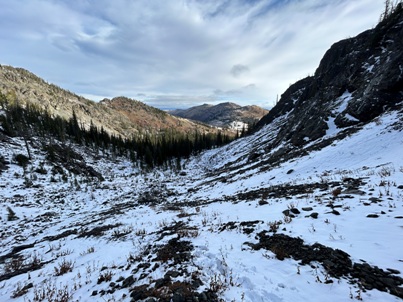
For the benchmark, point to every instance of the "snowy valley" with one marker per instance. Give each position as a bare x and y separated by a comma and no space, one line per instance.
308,207
193,236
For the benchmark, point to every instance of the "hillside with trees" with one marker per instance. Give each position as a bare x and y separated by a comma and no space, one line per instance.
146,150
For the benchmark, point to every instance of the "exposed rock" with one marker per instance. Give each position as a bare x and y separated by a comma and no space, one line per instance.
288,213
247,227
295,211
129,281
178,251
336,262
357,80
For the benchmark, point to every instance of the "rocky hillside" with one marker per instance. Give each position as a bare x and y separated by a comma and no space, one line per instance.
147,119
228,115
357,80
119,116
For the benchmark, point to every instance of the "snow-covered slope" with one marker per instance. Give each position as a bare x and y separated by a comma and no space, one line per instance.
308,208
201,235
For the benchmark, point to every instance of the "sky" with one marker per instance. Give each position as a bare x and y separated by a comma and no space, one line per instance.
177,53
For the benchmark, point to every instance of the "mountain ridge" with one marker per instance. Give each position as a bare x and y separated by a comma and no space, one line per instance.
367,66
22,86
225,114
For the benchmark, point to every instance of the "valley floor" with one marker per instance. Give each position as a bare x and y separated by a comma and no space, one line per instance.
205,236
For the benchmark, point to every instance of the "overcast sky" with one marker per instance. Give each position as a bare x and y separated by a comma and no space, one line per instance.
177,53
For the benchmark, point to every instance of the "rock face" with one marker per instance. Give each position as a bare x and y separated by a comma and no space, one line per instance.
222,115
357,80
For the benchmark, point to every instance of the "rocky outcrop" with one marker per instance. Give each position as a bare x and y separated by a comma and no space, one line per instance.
357,80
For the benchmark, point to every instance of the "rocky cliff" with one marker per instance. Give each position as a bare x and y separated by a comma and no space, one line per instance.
357,80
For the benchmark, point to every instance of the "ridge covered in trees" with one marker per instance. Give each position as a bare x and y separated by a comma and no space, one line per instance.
148,151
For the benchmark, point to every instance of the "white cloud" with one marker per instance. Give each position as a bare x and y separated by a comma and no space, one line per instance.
178,52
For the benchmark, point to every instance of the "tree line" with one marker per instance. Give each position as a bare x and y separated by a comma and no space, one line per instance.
148,151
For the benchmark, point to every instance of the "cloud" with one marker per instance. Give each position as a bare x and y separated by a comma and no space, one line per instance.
238,70
177,51
178,101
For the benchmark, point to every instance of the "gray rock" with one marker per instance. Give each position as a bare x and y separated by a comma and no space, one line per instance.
314,215
129,281
295,211
172,274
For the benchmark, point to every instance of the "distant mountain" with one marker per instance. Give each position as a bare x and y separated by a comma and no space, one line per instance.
148,119
228,114
120,116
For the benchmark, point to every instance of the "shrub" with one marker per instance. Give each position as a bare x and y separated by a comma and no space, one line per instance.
51,293
274,226
105,276
64,267
11,214
13,265
21,160
336,192
41,170
21,290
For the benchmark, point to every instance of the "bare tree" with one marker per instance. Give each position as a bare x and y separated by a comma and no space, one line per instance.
390,6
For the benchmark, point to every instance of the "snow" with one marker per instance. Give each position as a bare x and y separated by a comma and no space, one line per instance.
238,125
49,208
341,104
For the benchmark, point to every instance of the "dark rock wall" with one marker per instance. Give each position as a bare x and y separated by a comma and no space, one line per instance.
369,66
